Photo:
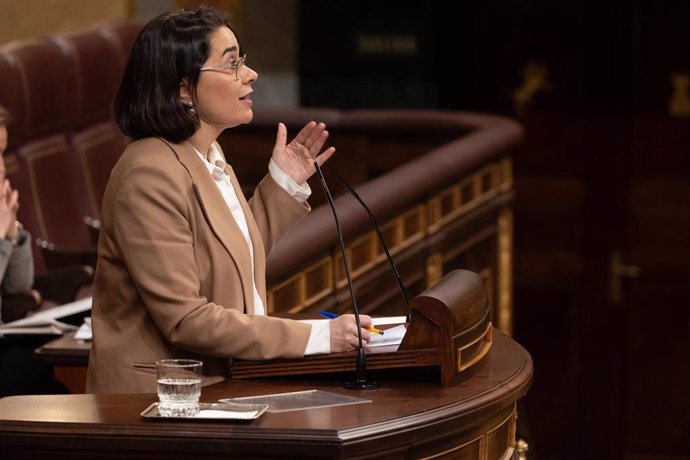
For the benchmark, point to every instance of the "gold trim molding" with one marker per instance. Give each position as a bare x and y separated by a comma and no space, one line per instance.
324,277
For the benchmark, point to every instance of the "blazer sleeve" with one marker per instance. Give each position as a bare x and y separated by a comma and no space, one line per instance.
275,211
152,225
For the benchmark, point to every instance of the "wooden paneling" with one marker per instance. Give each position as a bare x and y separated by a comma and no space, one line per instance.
459,224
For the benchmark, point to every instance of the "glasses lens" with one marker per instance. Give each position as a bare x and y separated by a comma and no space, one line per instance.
240,64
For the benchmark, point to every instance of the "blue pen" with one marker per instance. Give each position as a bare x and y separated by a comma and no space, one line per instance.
329,315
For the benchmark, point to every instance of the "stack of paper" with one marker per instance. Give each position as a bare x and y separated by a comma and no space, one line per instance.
84,332
47,322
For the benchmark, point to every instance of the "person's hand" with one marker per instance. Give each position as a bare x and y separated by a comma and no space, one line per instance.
344,332
9,203
296,159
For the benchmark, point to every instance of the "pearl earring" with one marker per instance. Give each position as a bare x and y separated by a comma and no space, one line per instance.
190,107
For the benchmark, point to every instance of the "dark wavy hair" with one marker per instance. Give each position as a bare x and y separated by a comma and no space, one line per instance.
170,48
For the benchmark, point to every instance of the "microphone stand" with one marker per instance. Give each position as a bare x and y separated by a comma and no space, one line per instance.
361,382
398,280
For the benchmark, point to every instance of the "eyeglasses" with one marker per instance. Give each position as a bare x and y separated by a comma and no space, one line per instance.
234,66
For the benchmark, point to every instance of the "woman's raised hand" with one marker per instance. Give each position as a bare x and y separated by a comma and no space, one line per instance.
296,159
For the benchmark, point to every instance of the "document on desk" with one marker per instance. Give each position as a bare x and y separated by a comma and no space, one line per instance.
84,332
298,400
49,321
390,336
384,320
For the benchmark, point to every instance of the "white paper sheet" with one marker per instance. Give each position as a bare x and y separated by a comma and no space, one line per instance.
210,413
84,332
52,315
392,336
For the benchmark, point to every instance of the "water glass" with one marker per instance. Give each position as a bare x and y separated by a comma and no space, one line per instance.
179,387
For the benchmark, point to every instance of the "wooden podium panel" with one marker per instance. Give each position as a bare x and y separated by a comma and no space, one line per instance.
449,332
408,417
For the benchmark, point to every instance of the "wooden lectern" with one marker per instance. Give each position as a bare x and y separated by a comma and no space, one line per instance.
406,418
449,331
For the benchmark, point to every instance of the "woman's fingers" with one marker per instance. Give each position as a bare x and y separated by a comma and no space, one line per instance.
316,138
318,143
312,137
344,335
281,136
304,133
14,200
321,159
5,189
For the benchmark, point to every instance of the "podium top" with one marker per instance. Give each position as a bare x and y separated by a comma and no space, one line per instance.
450,330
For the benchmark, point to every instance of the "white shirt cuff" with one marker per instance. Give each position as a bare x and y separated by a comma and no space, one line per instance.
300,192
319,339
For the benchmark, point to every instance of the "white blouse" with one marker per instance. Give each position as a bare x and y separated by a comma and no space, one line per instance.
320,336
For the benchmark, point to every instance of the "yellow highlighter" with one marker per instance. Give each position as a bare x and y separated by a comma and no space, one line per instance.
329,315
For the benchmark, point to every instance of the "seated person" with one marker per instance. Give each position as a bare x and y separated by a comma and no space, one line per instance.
20,371
16,260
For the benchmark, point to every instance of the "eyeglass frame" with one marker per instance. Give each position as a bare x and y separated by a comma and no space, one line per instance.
235,65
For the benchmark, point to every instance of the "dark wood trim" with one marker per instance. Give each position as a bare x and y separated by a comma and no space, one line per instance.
407,416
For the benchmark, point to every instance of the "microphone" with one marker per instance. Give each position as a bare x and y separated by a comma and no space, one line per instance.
361,382
394,269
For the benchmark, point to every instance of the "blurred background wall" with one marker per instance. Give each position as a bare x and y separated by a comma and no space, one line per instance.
32,18
267,27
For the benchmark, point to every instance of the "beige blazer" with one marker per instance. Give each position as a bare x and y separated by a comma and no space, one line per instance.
174,278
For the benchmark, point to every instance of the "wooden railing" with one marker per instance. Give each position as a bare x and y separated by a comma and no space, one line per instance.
448,206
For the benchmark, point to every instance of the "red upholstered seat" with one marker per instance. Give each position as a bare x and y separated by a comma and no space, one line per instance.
97,148
11,97
96,142
97,67
63,142
56,197
44,85
122,33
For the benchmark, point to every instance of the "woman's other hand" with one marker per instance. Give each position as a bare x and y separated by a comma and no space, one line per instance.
9,203
296,159
344,332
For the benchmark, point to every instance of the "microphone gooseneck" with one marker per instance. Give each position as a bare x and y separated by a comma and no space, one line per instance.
361,382
394,268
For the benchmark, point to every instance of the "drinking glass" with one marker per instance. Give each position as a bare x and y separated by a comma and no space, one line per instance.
179,387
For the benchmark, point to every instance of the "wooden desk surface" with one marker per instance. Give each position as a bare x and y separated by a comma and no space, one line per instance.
65,351
404,418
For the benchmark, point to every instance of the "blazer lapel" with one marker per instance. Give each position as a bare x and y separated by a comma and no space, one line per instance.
255,235
218,216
